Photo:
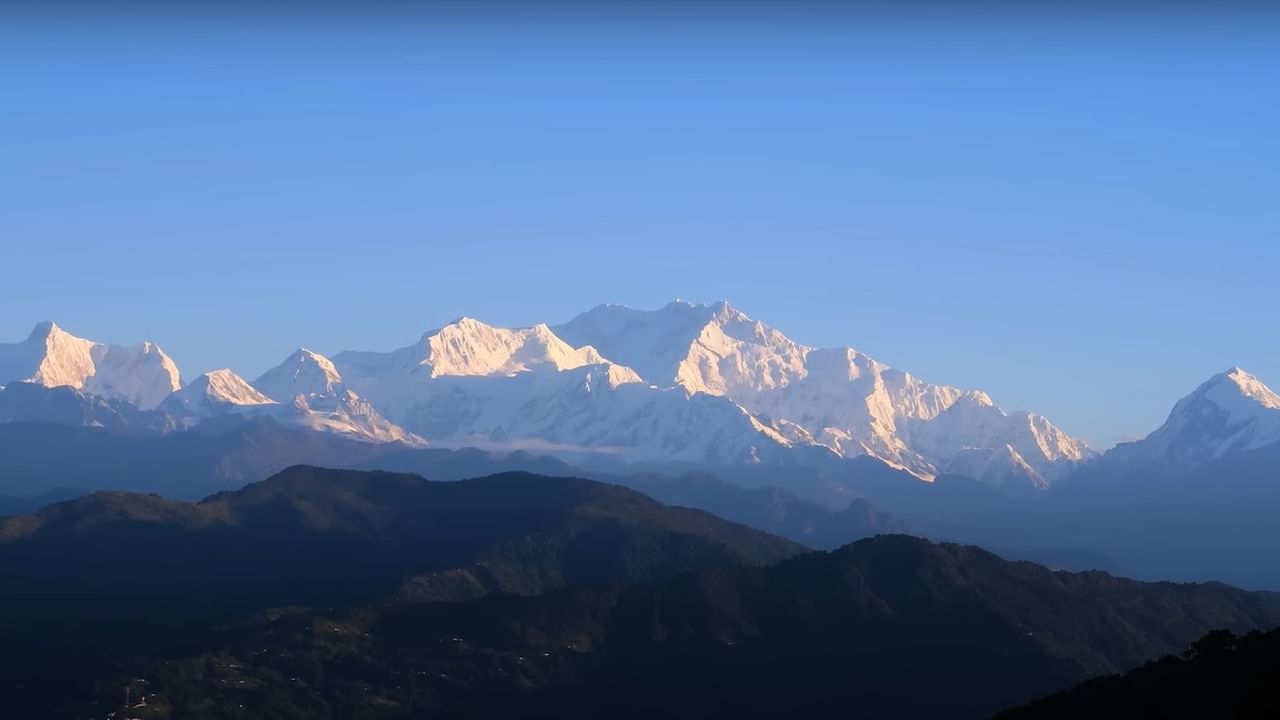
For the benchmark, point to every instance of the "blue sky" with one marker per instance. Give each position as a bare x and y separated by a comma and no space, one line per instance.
1076,213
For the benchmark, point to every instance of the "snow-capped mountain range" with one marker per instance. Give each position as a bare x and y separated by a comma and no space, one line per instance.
687,383
142,391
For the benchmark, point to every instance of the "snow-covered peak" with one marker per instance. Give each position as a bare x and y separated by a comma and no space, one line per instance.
704,348
1230,412
142,374
50,356
1048,441
593,411
1229,399
837,397
345,413
311,393
1238,393
223,393
470,347
44,329
60,358
217,389
609,376
302,373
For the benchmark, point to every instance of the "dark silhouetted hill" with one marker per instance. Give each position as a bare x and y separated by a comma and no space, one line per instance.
890,627
113,573
1222,675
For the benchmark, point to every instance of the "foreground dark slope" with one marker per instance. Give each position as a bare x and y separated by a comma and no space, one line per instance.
1222,675
888,627
98,578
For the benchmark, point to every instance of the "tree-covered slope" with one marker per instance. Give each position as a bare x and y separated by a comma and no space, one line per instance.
110,575
888,627
1222,675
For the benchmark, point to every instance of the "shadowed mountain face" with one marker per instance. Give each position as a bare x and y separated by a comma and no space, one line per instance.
113,573
888,627
769,508
314,535
10,505
1212,521
28,402
1222,675
1205,523
221,455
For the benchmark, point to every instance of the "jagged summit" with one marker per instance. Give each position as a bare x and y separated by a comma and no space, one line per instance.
219,388
44,329
312,393
1238,396
688,381
837,397
479,349
472,347
696,346
50,356
1239,383
302,373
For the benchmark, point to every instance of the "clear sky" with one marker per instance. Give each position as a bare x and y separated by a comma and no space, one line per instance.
1079,213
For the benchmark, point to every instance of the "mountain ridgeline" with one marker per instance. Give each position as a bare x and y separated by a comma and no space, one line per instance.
323,593
111,575
1139,517
312,536
341,593
703,387
685,392
698,384
538,572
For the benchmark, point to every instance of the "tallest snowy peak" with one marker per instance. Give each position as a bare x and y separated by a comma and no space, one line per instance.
675,343
719,310
837,397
